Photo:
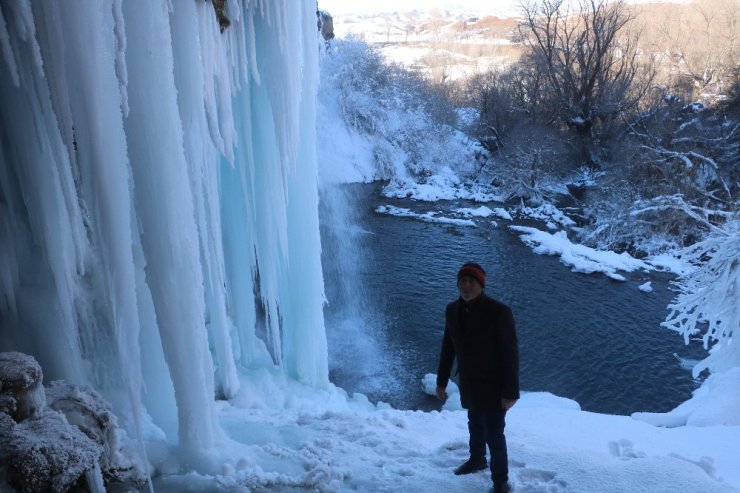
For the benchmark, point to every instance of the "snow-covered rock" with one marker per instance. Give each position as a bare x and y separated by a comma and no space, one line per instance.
90,413
60,438
21,389
45,453
326,24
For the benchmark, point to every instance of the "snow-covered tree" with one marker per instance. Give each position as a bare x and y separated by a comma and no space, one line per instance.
409,123
674,180
709,302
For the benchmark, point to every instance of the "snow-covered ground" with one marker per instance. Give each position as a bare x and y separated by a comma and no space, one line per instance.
300,441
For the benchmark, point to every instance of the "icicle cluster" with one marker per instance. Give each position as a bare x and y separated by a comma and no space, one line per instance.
156,175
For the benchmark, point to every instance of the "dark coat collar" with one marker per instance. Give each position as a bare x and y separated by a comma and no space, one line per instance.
472,303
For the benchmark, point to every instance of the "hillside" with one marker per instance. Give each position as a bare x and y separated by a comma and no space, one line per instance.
444,44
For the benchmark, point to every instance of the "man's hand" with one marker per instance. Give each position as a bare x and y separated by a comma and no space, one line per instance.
441,394
507,403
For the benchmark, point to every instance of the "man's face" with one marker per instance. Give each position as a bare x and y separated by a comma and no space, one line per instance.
469,288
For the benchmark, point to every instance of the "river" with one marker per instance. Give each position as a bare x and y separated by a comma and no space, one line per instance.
585,337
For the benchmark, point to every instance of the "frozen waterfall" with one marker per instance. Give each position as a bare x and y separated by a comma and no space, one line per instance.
158,200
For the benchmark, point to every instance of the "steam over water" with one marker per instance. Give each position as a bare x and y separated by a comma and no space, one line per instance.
585,337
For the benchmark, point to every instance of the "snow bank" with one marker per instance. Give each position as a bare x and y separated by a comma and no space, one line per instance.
483,211
716,402
446,186
430,217
579,257
553,217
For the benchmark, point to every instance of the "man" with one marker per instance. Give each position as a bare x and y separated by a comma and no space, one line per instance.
480,334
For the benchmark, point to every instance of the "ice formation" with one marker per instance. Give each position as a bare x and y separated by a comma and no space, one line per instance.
158,200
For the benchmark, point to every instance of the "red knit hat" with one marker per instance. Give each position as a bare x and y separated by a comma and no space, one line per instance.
473,270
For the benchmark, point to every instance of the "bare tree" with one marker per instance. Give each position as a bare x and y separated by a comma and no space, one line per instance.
504,99
435,24
590,59
702,42
388,22
409,25
694,148
438,61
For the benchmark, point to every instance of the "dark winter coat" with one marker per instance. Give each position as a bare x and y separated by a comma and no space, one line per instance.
482,337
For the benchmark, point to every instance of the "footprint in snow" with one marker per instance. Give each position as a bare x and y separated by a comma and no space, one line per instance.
625,449
538,481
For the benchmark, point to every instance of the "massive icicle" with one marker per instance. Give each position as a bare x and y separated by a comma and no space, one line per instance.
156,173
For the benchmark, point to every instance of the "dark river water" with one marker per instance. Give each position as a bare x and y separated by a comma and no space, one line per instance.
585,337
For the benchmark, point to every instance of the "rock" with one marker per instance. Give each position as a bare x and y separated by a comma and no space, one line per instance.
326,24
60,438
219,6
21,386
86,409
45,453
8,404
90,413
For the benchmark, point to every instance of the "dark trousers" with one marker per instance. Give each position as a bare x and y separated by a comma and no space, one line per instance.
487,427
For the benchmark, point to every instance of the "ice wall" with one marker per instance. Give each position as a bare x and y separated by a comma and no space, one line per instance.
158,199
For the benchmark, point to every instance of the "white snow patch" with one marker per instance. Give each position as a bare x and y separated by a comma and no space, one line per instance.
579,257
481,211
440,187
671,263
646,287
430,217
548,213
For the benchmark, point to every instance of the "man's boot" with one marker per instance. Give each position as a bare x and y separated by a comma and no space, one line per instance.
473,464
502,487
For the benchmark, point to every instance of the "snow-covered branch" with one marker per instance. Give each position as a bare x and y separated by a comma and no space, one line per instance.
708,303
687,158
677,203
724,139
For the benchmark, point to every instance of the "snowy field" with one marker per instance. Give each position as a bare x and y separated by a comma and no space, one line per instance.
386,25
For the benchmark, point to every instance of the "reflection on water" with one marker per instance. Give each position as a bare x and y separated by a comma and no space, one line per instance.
585,337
